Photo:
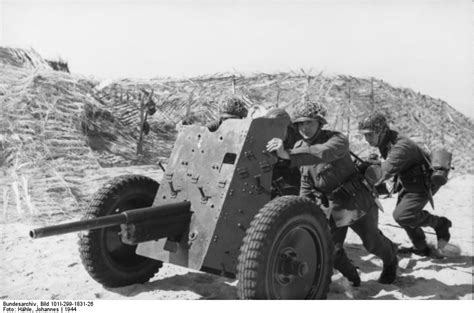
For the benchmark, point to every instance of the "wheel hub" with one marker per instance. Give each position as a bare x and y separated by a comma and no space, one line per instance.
295,264
289,266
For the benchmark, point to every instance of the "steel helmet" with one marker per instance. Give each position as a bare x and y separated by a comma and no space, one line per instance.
233,107
374,122
310,111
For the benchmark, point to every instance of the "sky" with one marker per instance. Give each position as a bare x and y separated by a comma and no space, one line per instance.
425,45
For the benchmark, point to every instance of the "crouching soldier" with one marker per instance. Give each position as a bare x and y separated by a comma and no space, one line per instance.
231,108
410,163
329,176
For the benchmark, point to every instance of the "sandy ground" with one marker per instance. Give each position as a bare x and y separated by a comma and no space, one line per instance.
50,268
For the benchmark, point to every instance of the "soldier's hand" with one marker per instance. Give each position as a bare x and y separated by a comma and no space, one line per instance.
369,162
373,159
373,156
276,145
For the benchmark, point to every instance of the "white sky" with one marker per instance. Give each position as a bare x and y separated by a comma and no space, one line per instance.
424,45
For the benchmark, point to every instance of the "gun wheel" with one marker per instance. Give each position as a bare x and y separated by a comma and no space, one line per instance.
108,260
286,253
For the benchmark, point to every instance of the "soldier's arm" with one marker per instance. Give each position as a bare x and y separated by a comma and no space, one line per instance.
335,148
396,162
277,145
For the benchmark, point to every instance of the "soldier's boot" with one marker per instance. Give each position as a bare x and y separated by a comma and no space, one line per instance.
418,238
409,250
344,265
442,231
389,272
349,271
426,251
353,277
351,274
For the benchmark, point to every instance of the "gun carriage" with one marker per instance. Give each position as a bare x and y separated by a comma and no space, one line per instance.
213,210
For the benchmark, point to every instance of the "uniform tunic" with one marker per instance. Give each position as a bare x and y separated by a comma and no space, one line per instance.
325,164
403,157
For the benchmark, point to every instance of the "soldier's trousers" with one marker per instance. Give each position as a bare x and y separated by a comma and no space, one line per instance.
410,215
372,238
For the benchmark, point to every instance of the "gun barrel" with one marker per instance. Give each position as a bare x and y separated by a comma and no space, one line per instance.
131,216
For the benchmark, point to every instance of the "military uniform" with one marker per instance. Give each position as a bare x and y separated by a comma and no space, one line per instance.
405,159
411,165
329,176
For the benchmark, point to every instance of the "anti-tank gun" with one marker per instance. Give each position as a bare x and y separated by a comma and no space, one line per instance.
212,211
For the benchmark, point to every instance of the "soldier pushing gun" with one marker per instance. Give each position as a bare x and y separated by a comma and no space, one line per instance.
329,176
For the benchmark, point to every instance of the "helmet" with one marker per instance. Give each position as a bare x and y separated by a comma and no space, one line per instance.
280,114
233,108
310,111
374,122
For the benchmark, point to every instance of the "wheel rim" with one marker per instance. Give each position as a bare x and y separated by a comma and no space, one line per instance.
122,255
295,263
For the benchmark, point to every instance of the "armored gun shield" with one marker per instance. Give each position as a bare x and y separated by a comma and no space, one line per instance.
226,175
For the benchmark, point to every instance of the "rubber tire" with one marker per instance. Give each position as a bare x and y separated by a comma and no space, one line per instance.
261,236
93,252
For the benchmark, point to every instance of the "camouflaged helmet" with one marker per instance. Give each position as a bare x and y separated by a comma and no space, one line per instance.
280,114
310,111
233,108
374,122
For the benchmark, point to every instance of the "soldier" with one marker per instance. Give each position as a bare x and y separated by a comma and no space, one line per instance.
231,108
411,164
286,179
329,176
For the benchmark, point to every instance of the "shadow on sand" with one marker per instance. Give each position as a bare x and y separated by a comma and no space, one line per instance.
206,286
407,285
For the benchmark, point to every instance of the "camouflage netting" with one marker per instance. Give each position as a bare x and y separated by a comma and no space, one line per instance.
59,131
55,137
347,99
22,58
